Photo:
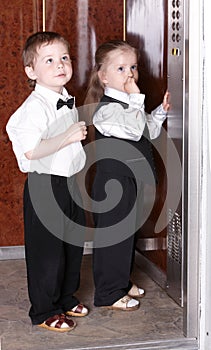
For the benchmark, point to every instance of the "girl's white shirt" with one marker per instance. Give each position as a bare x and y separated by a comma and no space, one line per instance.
113,120
38,118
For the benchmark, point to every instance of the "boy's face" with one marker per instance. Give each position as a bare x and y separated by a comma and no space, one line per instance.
52,66
120,66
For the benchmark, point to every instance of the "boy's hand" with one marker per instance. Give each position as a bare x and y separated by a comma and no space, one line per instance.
76,132
131,87
166,103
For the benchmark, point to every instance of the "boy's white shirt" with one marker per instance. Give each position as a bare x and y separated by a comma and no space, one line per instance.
113,120
38,118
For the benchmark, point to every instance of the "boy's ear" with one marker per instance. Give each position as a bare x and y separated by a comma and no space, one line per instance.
102,76
30,73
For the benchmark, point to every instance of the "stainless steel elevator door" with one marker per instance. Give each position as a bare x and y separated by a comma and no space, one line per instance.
175,232
156,29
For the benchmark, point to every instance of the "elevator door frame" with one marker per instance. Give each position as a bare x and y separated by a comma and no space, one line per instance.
192,95
189,277
191,167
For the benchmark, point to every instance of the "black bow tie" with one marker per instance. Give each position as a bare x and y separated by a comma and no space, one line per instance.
69,103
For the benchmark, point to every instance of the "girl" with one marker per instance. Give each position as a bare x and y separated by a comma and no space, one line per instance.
121,126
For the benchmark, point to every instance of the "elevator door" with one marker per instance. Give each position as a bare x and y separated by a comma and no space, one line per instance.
175,228
155,27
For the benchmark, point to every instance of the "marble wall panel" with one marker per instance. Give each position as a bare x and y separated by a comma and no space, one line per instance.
18,19
86,23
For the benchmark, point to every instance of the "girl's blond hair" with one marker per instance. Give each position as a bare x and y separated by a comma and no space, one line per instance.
95,88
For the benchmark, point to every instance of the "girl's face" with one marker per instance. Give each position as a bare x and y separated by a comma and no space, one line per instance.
52,66
120,66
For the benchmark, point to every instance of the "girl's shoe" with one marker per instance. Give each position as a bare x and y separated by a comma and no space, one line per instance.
79,310
126,304
58,323
136,292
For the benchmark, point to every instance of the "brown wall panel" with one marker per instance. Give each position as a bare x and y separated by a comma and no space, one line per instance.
18,19
86,24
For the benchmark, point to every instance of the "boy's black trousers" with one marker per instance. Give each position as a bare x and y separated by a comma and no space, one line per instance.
53,243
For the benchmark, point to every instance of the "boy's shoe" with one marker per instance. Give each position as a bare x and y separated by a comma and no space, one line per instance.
79,310
58,323
136,292
126,304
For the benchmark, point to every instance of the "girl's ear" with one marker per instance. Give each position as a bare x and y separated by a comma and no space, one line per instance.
102,76
30,73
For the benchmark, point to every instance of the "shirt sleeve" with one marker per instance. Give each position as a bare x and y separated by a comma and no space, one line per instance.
113,120
27,125
155,121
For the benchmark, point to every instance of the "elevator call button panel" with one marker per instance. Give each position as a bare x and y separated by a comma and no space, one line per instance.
176,18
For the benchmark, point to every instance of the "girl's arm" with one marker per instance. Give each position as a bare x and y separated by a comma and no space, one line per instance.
157,117
113,120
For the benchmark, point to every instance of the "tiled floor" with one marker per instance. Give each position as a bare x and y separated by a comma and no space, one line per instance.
158,318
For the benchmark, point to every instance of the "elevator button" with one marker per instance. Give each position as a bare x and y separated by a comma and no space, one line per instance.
173,14
178,14
173,3
178,26
173,25
178,3
178,37
173,37
175,51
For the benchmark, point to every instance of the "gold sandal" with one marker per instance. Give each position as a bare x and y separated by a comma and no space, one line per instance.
125,304
136,292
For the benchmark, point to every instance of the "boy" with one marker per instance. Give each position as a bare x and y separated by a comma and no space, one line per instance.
45,135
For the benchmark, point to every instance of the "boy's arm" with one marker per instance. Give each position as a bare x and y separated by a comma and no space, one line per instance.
46,147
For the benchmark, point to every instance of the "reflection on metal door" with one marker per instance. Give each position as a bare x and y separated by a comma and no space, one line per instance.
175,133
147,30
156,28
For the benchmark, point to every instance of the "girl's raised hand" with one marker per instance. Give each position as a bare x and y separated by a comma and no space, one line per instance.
130,86
166,103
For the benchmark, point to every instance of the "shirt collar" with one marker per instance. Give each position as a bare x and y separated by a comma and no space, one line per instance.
52,95
118,95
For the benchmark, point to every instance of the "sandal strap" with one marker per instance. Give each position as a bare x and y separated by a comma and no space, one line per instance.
125,303
135,291
52,319
79,308
126,299
60,320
